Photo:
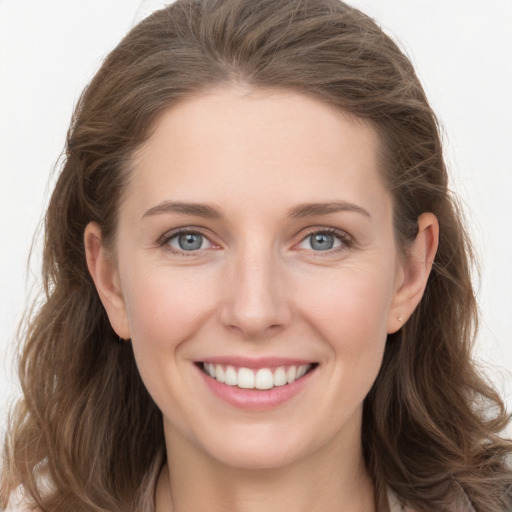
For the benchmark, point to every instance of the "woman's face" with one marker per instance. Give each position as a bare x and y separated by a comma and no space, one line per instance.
256,241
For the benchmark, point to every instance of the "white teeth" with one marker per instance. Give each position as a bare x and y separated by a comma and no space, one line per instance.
219,373
301,371
280,377
230,376
264,378
291,374
245,378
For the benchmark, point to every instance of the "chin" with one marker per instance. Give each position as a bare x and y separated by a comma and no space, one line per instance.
268,445
252,457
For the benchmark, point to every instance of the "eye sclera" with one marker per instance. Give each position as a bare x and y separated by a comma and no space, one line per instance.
344,240
174,235
189,238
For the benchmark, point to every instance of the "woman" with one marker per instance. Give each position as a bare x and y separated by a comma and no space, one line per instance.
257,284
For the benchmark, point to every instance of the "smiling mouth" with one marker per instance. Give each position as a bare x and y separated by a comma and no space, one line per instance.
261,379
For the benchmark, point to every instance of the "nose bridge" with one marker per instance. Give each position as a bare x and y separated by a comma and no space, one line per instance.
255,297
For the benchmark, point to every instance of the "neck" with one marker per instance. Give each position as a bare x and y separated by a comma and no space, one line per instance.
329,480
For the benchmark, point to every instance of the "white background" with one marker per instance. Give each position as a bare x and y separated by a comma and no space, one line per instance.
462,52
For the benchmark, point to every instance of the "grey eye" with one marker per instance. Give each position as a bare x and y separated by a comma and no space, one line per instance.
322,241
188,241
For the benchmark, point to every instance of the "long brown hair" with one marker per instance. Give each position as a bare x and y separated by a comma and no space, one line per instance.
431,423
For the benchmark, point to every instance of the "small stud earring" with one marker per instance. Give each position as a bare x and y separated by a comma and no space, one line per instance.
400,319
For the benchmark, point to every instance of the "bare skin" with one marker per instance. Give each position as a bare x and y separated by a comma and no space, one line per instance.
324,482
257,226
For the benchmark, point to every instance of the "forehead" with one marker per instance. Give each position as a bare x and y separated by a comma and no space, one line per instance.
246,147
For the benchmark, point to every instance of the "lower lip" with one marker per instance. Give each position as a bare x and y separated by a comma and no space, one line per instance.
256,399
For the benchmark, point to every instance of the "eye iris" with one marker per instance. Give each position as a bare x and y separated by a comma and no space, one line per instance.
190,241
322,241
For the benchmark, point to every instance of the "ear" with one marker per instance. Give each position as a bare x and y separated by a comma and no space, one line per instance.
415,268
104,273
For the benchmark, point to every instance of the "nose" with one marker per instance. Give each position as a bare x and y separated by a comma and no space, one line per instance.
255,301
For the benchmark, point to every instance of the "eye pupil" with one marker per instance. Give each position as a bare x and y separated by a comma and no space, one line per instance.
322,241
190,241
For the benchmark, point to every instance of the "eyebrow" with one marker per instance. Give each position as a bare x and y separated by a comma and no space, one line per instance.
197,209
212,212
310,209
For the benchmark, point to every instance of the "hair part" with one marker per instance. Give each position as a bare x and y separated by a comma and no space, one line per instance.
431,423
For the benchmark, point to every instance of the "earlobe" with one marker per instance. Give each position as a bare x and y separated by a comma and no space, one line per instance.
415,272
105,275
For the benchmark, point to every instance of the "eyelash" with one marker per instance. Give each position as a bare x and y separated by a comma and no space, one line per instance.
165,240
346,240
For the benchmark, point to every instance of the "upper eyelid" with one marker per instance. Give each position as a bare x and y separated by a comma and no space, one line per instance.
324,229
179,231
347,242
164,243
342,234
301,236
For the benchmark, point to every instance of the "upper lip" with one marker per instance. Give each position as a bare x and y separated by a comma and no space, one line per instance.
259,362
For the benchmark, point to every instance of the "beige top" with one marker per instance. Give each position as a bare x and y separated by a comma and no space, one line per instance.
19,504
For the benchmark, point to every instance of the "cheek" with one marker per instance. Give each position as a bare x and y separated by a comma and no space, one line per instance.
351,301
349,311
165,308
